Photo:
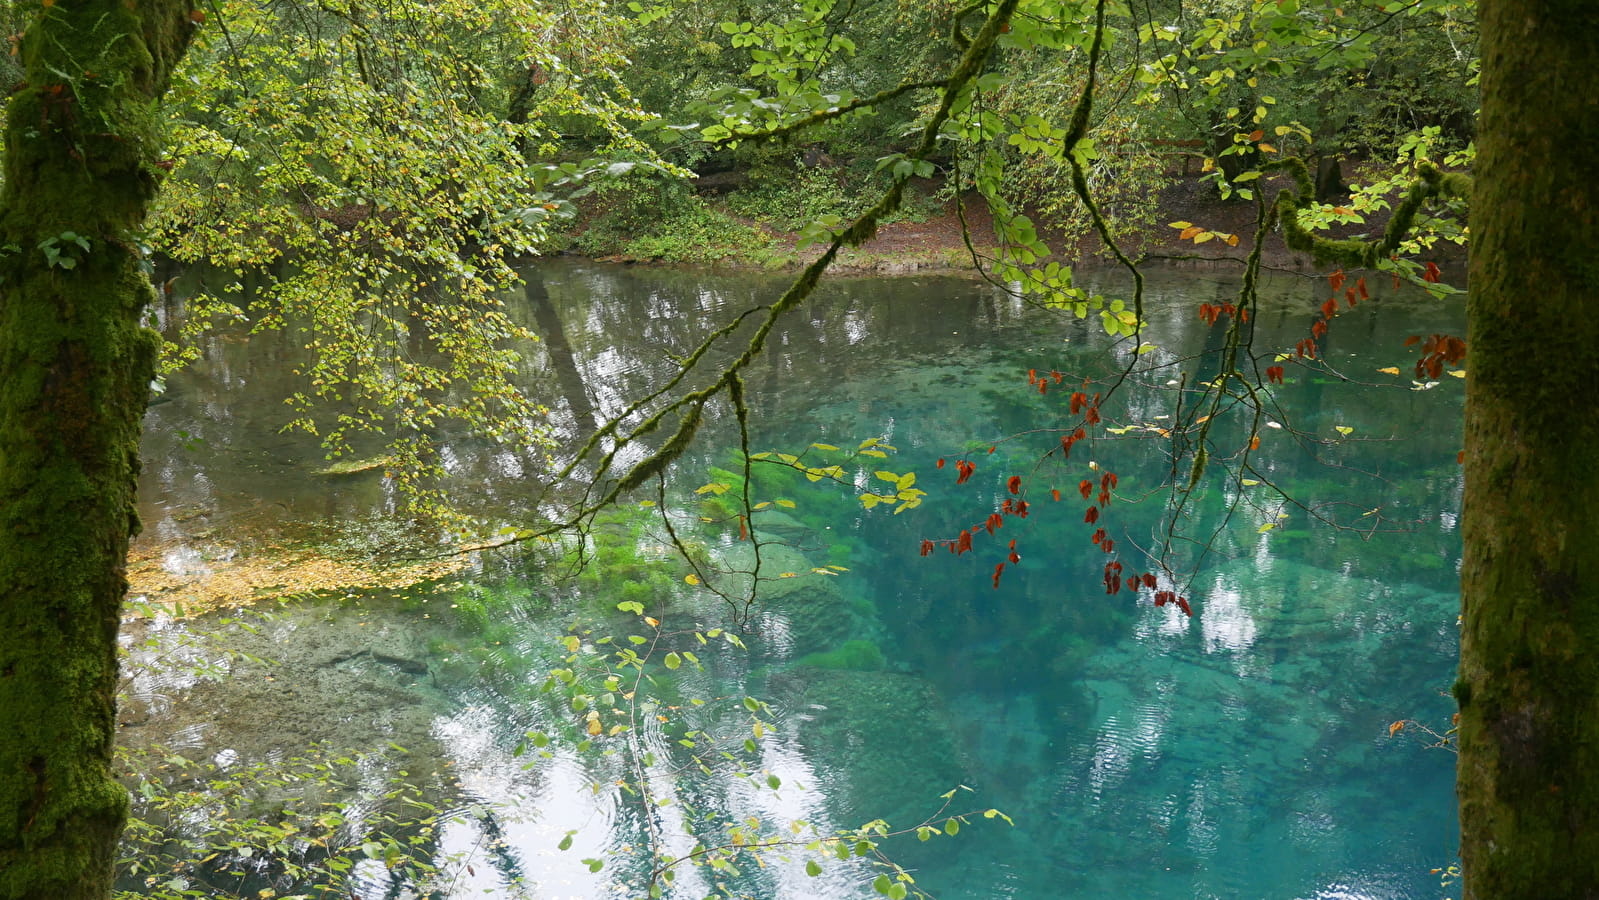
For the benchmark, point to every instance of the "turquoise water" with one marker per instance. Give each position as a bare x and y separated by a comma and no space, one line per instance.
1244,752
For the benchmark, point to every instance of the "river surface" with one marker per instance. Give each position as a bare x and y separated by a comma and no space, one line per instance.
1248,751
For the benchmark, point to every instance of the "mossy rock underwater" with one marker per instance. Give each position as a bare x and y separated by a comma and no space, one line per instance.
798,611
886,737
856,656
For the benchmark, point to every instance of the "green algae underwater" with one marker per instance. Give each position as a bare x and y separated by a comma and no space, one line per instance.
1246,751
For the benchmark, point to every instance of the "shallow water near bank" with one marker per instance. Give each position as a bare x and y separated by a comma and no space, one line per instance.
1243,752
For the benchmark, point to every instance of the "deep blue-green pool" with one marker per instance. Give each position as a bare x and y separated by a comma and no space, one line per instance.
1247,751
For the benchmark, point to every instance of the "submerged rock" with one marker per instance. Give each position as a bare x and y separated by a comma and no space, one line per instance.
885,736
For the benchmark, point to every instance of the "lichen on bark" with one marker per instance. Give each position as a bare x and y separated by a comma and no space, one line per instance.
75,364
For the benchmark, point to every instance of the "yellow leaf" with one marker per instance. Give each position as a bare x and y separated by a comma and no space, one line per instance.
652,621
1189,232
1344,430
1458,373
691,578
1396,727
594,726
789,575
1391,370
1232,240
786,504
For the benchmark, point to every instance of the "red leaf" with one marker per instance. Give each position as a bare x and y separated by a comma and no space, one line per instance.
964,543
1360,285
1078,399
940,463
1015,557
1058,376
1099,535
1014,484
1182,604
1329,307
1107,545
1350,297
965,469
1274,374
927,547
1055,492
1032,375
994,523
1431,274
1460,458
743,529
998,571
1149,579
1336,279
1092,515
1043,386
1085,487
1092,417
1021,509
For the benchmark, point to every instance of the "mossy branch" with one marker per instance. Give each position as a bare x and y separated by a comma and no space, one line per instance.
805,122
1350,253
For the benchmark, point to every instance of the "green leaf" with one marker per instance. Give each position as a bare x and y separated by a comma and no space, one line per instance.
813,868
672,661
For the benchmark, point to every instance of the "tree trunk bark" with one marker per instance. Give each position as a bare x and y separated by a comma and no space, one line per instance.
75,366
1529,671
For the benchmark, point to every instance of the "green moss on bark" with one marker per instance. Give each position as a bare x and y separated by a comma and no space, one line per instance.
1529,681
75,367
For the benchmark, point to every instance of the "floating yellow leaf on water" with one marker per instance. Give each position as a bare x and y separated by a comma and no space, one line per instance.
1396,727
1391,370
691,578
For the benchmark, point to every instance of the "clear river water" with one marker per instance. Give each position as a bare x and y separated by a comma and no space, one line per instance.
1244,752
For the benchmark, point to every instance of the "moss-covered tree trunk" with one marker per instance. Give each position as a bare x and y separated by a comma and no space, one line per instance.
1529,683
80,171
